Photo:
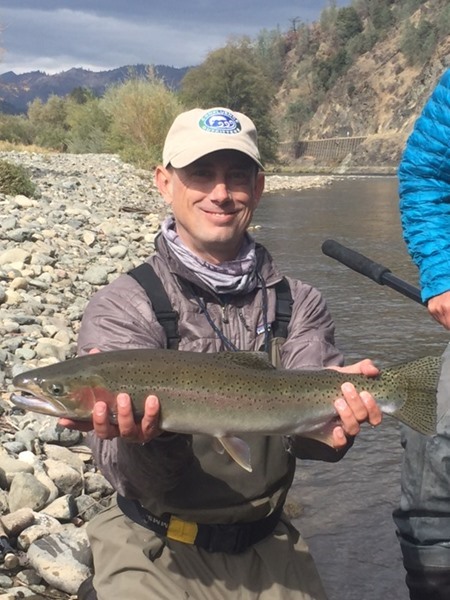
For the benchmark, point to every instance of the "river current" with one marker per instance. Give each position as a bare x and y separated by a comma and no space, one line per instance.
346,508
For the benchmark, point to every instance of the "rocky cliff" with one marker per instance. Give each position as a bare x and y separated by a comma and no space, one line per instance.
379,99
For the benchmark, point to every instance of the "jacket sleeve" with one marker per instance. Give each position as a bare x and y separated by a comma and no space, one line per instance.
119,316
424,190
310,345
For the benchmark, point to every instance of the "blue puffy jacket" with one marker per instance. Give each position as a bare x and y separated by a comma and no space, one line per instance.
424,177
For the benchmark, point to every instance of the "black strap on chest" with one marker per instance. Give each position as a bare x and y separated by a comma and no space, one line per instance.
168,318
283,309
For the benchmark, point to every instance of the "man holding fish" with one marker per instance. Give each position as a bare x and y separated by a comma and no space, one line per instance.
190,522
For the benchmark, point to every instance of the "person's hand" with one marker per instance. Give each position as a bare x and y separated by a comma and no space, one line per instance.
439,308
355,407
142,432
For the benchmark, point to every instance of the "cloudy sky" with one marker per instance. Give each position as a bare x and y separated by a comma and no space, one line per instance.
55,35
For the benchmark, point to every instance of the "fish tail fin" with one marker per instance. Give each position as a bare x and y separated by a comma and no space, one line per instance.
419,379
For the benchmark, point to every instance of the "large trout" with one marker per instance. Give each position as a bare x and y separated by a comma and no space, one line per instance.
225,394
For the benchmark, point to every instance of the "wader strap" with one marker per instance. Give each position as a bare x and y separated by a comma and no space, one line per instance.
230,539
168,319
283,310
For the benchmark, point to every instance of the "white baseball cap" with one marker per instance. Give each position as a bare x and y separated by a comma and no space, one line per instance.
199,131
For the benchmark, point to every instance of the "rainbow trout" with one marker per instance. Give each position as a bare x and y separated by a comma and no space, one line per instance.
225,394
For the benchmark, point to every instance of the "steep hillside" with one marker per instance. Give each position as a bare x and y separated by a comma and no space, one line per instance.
386,98
378,98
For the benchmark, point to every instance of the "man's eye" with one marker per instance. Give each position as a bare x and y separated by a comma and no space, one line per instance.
201,173
239,176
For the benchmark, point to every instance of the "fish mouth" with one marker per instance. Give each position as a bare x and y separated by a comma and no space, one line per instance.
28,401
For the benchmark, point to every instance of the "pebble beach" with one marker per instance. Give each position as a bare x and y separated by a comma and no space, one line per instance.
93,218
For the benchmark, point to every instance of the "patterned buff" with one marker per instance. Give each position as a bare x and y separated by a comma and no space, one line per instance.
237,276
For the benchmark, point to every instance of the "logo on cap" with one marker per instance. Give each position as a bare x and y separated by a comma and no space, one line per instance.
220,121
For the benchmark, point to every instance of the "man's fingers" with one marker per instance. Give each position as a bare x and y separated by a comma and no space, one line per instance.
128,427
350,423
353,409
374,414
100,419
150,420
339,438
368,368
353,399
78,425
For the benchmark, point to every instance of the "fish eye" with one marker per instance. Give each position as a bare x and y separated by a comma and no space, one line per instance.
57,389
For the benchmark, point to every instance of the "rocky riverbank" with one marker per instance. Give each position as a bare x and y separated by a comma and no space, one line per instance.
95,217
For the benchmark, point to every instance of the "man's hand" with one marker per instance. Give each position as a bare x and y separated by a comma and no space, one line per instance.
355,407
439,308
126,428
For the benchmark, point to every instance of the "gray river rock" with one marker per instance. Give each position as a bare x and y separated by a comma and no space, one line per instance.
95,218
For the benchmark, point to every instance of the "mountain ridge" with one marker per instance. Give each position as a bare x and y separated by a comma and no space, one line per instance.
17,90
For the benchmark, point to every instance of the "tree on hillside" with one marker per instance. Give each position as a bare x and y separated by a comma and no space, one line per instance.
418,43
348,24
233,77
81,95
381,14
270,50
297,113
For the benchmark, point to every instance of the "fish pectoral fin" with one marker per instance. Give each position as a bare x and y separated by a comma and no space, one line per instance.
218,446
238,450
324,434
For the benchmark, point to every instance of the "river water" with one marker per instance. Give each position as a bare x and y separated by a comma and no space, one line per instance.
347,507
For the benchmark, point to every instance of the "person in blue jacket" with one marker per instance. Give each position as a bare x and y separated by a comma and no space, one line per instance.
423,517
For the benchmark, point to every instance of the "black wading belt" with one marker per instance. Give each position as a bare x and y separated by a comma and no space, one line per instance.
232,538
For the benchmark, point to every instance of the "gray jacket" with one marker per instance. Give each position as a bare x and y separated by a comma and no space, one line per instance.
181,474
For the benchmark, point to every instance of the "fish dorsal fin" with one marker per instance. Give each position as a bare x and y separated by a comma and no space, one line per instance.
238,450
247,360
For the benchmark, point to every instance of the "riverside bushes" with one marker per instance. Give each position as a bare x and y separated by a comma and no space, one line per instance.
14,180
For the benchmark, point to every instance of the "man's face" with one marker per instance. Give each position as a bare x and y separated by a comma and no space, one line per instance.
213,200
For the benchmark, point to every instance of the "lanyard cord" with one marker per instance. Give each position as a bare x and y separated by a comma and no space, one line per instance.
264,311
226,342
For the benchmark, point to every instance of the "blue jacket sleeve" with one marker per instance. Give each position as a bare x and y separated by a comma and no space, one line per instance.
424,189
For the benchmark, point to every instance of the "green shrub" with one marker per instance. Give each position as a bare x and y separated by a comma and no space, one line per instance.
139,113
15,180
16,129
49,122
418,43
88,127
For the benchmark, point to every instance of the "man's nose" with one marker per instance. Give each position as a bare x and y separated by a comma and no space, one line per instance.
221,192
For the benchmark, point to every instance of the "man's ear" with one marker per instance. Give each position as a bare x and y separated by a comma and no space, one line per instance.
163,181
259,185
